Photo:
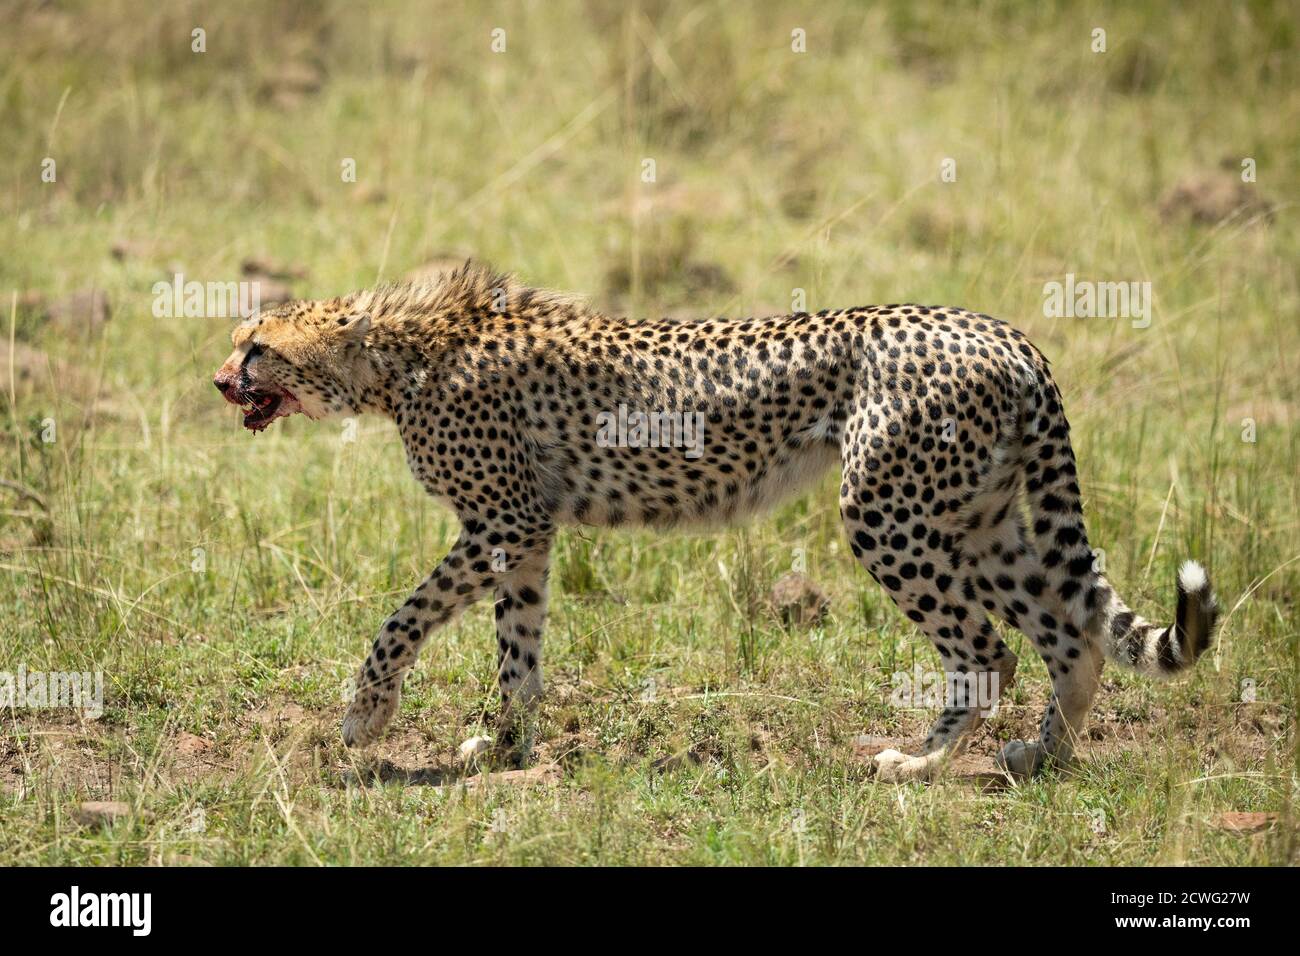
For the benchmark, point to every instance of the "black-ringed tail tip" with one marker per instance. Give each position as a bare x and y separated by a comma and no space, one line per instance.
1197,614
1158,650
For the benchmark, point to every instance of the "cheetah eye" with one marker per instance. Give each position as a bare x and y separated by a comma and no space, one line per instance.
258,350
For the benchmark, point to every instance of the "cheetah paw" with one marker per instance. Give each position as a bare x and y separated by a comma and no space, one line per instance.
895,767
1020,758
367,717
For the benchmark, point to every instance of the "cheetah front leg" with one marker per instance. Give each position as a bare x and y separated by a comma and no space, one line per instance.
475,564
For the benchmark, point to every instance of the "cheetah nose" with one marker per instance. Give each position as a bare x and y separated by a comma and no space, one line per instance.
223,386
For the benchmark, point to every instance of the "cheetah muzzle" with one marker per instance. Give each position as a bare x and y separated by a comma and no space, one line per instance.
261,404
525,411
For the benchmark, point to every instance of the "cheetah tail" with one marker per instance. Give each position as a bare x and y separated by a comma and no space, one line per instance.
1156,651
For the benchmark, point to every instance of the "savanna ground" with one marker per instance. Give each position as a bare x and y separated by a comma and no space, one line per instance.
227,586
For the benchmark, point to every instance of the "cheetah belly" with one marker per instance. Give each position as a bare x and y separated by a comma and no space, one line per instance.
665,488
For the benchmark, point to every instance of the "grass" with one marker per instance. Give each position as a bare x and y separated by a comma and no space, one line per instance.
226,587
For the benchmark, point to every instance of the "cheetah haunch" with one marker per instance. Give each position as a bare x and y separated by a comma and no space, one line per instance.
959,492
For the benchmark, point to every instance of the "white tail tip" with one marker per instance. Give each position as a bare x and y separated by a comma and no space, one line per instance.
1192,577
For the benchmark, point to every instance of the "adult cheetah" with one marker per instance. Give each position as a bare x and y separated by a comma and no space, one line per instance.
959,492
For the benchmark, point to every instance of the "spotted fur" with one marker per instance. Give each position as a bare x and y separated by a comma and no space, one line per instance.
959,490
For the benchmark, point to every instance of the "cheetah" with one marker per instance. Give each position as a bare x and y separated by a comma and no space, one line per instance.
959,493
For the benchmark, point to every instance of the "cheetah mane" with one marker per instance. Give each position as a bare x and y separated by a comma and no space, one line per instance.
471,291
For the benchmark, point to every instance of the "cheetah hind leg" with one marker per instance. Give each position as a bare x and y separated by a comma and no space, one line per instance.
977,664
1074,686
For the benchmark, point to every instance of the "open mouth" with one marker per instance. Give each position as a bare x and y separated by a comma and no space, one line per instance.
262,408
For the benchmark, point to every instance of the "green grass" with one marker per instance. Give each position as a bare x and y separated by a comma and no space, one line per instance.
776,172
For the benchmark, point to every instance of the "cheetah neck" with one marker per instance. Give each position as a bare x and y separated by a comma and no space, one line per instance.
391,372
412,348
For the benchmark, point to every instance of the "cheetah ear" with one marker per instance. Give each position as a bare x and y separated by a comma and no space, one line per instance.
352,328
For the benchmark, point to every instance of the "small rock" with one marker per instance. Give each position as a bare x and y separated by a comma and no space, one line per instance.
366,194
190,744
83,312
293,82
35,371
1211,197
272,268
270,291
799,202
702,276
32,302
797,600
31,367
102,813
299,76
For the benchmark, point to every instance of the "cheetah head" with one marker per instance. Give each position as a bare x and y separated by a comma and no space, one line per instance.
300,357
